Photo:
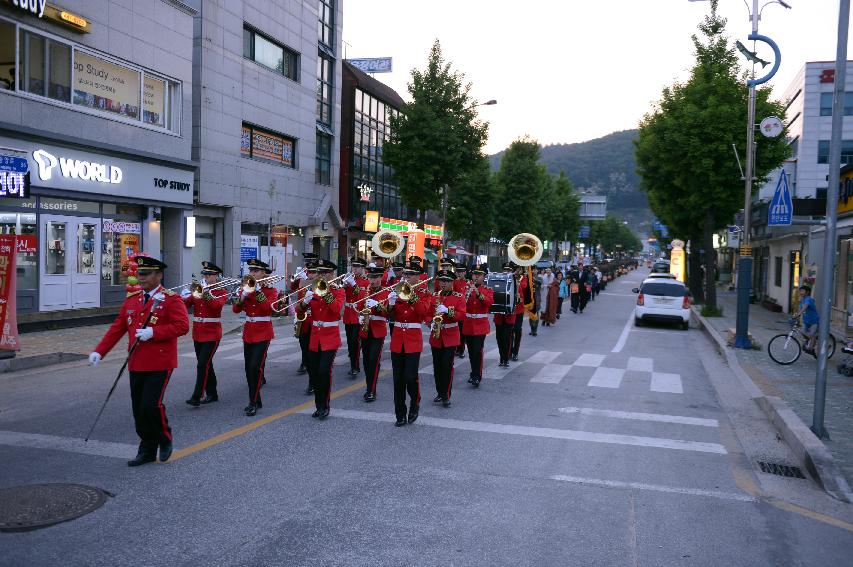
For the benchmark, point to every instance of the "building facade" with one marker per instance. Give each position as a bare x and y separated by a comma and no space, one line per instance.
96,107
266,134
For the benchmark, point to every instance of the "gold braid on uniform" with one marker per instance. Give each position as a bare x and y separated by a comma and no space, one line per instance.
260,297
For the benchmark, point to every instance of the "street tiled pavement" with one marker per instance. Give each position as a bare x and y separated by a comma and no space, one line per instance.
795,383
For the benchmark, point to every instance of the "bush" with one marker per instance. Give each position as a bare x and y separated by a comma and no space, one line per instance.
708,311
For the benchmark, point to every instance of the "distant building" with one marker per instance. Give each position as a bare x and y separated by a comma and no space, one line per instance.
593,207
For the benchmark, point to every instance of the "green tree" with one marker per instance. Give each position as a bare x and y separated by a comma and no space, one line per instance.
559,209
471,210
436,138
519,187
684,149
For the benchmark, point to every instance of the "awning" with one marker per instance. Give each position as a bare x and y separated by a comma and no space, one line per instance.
430,255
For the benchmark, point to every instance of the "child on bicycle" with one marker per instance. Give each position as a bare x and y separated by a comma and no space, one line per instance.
808,311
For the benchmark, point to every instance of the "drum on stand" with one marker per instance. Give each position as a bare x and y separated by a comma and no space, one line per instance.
503,286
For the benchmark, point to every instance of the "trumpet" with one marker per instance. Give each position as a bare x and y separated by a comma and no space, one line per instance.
404,292
298,274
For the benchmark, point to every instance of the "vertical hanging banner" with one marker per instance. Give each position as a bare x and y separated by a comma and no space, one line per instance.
415,244
8,318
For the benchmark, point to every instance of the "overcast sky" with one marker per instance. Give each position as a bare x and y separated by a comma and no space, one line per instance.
571,70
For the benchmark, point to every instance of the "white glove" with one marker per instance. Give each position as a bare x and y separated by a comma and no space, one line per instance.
442,309
371,303
349,280
392,298
185,293
257,287
145,334
94,359
308,296
159,297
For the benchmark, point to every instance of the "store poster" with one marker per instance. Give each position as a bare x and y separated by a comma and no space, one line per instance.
415,244
153,101
8,318
106,86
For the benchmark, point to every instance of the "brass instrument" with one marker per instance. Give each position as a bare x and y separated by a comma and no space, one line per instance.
387,243
321,288
197,290
404,288
524,249
297,323
437,321
365,323
248,284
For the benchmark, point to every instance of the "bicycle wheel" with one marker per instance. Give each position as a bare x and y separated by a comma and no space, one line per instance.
830,347
784,349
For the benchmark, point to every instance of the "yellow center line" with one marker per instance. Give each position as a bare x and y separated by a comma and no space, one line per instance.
223,437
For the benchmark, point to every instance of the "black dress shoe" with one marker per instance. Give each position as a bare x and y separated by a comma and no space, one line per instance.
141,459
165,451
302,369
263,381
316,413
460,355
445,403
401,421
250,410
437,399
209,399
476,382
470,379
354,372
194,402
515,357
370,397
324,413
413,416
309,391
259,404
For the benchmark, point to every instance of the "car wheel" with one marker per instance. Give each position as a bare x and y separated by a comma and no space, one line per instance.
638,322
685,325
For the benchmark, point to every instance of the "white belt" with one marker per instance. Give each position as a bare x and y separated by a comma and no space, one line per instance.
258,319
325,323
449,325
407,325
206,319
477,315
377,318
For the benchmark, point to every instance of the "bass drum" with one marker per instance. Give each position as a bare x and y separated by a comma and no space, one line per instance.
503,286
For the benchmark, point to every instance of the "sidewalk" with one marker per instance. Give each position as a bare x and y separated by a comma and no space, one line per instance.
794,383
43,348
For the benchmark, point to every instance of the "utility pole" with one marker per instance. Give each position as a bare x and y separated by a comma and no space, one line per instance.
827,271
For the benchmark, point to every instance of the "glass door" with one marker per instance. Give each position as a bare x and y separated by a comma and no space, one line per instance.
55,280
85,283
69,275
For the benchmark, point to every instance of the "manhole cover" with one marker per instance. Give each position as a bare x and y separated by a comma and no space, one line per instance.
24,508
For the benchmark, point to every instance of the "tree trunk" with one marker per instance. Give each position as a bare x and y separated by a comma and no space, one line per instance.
694,272
422,219
710,260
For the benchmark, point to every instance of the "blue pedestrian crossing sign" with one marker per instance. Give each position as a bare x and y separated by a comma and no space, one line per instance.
781,207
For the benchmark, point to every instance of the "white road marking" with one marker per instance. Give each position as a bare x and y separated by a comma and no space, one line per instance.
544,432
272,348
592,360
68,444
230,345
655,488
491,354
666,382
544,357
624,336
640,364
606,377
663,418
552,373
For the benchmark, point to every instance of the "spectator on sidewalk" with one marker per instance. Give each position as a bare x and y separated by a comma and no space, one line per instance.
808,311
562,292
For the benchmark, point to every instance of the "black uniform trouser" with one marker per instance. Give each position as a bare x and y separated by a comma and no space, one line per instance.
372,353
517,332
503,335
320,364
442,364
460,350
353,345
304,341
149,413
405,370
205,375
475,354
255,357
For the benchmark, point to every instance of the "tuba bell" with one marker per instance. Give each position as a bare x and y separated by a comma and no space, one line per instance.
524,249
387,243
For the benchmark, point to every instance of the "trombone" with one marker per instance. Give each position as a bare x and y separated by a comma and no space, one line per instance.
320,287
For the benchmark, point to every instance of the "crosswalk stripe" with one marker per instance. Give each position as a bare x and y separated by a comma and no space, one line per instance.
666,382
593,360
639,416
544,357
640,364
552,373
606,377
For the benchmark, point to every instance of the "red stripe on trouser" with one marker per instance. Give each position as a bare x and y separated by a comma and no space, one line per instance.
376,370
207,368
261,374
329,391
450,379
163,423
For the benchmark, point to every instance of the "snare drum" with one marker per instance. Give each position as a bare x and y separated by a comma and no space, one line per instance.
503,286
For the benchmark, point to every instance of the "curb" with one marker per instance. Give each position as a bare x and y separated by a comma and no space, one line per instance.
802,441
28,362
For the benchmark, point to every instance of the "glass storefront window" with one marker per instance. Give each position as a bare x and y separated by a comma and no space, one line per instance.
119,94
86,248
24,226
59,64
7,55
55,246
119,241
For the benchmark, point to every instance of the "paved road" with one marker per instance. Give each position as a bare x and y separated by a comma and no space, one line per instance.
604,445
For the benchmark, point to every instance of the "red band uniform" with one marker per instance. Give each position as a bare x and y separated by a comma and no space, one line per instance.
450,306
406,346
355,288
325,338
207,332
504,325
257,331
304,334
522,287
460,286
153,360
477,305
373,340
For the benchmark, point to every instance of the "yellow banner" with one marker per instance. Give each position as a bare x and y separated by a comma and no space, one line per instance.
105,86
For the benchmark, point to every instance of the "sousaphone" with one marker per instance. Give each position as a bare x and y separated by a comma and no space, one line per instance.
387,243
525,249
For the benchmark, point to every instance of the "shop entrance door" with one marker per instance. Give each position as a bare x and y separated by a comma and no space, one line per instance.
70,261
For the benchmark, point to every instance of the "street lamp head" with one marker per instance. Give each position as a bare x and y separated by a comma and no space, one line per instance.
493,101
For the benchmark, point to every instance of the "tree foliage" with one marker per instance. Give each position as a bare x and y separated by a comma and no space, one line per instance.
684,149
613,235
519,185
471,210
436,138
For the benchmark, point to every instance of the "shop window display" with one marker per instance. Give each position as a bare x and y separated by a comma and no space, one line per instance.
120,241
55,246
24,226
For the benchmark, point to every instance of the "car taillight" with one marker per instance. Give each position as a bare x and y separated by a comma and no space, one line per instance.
641,299
686,303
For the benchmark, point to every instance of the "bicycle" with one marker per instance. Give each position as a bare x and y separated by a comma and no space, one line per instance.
785,349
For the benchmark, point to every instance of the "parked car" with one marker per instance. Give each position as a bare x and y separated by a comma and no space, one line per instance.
660,267
662,276
662,299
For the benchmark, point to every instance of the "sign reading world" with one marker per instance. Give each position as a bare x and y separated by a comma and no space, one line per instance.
373,65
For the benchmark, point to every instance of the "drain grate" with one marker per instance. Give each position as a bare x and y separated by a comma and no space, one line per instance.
24,508
781,470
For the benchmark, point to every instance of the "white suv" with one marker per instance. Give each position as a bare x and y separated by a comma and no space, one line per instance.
662,299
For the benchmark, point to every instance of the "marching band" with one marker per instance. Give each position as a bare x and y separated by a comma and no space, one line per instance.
371,300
